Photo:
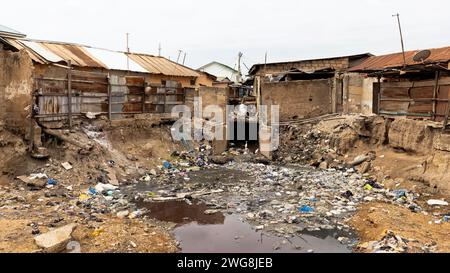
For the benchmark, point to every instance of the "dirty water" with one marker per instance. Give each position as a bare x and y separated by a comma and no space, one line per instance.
180,212
198,232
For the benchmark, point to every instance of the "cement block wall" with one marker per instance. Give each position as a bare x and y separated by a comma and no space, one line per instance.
337,64
16,84
358,93
299,99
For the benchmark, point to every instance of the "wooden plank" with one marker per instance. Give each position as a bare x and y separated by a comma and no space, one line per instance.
435,92
69,92
109,98
443,81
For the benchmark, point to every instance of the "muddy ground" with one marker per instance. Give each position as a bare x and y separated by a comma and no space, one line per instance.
137,191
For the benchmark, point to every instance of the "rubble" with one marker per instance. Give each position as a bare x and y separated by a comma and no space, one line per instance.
56,240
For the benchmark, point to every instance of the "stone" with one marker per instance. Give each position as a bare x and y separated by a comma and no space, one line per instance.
359,160
220,160
323,165
56,240
123,214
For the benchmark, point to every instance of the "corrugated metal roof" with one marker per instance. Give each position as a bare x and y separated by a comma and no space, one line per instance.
47,52
395,60
115,60
6,31
255,67
160,65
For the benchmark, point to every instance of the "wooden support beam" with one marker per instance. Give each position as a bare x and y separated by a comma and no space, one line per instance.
435,93
69,92
109,98
447,113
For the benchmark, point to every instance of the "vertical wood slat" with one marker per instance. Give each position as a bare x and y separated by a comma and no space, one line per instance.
109,98
144,97
435,93
69,92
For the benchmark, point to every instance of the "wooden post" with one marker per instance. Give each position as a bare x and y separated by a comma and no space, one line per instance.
447,113
69,92
165,99
435,93
143,97
32,123
109,98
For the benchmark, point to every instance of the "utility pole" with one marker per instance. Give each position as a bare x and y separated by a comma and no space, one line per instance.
401,38
128,50
179,54
159,50
184,58
265,62
239,77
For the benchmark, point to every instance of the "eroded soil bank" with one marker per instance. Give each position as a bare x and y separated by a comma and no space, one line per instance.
346,184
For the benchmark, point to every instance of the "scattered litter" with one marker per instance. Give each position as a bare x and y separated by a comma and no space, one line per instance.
67,166
306,209
52,182
435,202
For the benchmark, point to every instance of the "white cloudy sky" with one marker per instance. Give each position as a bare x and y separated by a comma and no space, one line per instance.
217,30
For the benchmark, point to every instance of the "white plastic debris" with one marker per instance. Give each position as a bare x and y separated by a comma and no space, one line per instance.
67,166
435,202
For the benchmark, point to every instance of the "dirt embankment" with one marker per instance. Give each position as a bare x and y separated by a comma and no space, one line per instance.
402,155
119,154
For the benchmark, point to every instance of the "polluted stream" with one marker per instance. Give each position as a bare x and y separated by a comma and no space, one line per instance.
254,213
216,232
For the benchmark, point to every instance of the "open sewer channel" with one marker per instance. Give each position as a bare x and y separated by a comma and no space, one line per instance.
215,233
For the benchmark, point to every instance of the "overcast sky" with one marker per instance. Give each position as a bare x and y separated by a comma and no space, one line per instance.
217,30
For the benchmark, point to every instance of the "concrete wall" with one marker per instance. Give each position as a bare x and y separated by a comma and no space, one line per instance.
299,99
16,84
211,96
358,93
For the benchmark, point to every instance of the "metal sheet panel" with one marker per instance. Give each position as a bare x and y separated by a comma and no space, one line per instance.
43,52
160,65
115,60
395,60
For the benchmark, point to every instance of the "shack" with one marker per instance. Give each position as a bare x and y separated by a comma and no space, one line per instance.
57,82
415,84
311,88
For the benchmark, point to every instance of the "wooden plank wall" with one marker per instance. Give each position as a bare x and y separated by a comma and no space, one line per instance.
415,99
103,94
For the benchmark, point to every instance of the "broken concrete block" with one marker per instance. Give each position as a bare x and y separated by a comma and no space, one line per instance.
34,180
323,165
220,160
365,167
359,160
56,240
123,214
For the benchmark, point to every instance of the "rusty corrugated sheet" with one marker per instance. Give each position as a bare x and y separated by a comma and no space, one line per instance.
47,52
376,63
76,54
160,65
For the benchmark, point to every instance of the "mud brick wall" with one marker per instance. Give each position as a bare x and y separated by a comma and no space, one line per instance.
299,99
338,64
16,84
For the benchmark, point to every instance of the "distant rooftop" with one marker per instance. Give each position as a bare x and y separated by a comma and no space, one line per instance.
6,31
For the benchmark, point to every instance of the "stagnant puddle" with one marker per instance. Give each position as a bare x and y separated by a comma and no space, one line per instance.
198,232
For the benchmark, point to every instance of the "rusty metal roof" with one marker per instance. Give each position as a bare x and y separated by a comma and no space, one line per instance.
160,65
395,60
47,52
